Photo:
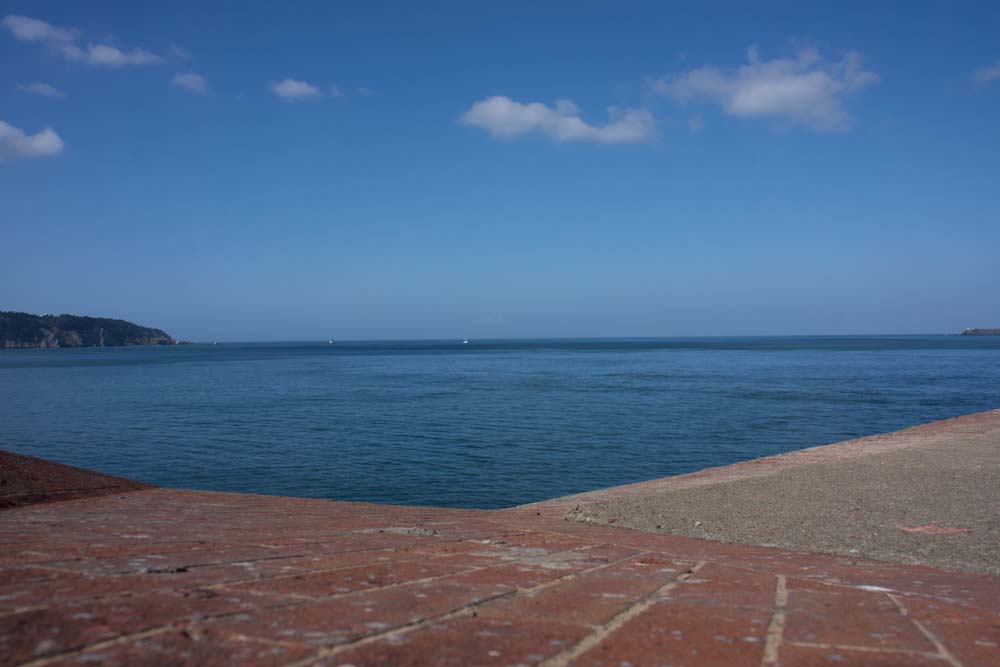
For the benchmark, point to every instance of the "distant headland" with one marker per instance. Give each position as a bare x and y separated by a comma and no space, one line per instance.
20,330
981,332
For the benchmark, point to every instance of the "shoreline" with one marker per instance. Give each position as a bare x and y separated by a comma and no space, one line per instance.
818,499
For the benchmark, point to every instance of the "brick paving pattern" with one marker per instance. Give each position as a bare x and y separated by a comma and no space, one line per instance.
167,577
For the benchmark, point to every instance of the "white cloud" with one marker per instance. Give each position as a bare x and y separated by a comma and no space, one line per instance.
984,75
110,56
335,91
365,91
39,88
15,143
696,123
192,82
28,29
63,41
806,90
503,117
293,89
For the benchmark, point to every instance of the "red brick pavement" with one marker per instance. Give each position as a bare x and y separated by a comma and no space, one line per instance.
165,577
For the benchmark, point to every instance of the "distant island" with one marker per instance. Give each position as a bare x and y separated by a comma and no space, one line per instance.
981,332
20,330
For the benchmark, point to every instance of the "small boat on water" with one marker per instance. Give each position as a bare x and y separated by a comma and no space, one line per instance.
465,341
331,341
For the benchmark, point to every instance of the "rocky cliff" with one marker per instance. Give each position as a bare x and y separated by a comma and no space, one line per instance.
26,330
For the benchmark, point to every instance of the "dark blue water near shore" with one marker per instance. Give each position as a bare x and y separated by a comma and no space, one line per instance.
488,424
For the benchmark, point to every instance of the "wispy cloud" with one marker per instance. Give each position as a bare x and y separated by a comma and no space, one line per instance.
40,88
807,90
63,42
191,82
365,91
293,89
984,75
178,52
504,118
16,143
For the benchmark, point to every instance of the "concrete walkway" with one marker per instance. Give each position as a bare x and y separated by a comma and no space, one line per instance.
168,577
926,495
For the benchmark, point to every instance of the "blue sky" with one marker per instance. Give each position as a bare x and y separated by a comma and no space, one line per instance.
255,172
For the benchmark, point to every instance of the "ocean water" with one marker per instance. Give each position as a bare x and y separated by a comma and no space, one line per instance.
494,423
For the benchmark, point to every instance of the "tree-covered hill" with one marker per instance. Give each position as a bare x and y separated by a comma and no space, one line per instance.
26,330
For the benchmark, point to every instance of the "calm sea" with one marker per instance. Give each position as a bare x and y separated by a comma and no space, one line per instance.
493,423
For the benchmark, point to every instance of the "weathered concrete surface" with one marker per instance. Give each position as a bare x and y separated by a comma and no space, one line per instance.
25,480
925,495
167,577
